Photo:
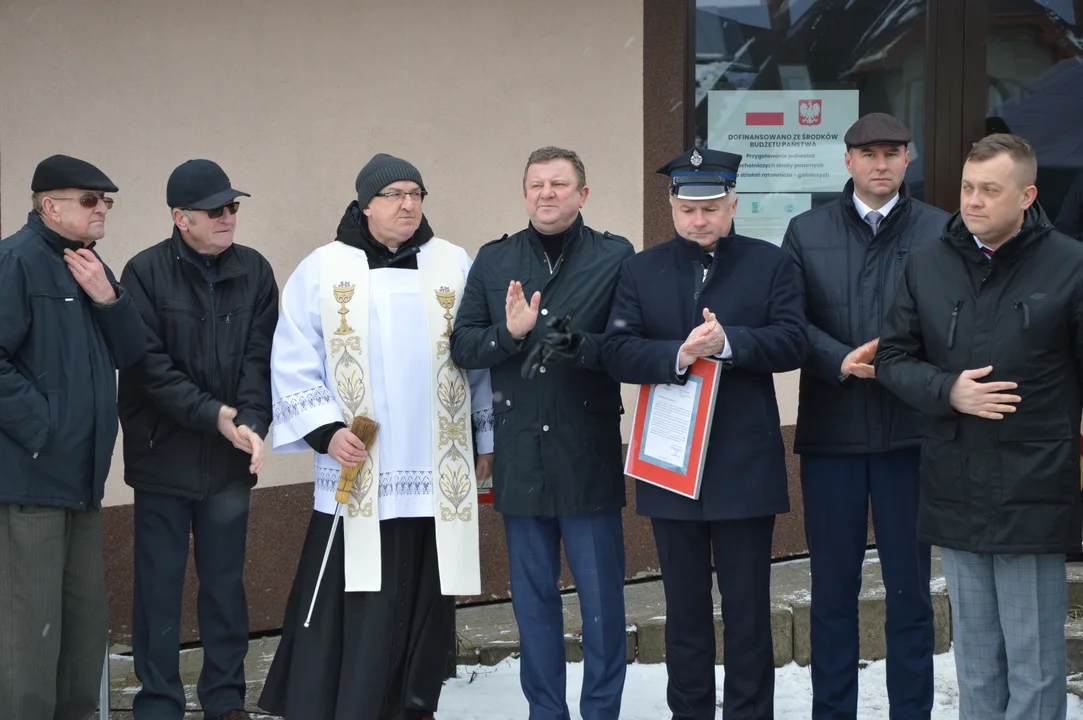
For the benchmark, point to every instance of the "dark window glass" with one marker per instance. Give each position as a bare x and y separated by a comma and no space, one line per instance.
780,82
1034,64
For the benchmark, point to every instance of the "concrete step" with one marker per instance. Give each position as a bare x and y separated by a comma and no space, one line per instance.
488,633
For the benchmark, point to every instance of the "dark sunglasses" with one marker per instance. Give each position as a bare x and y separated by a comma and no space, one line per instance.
89,201
232,207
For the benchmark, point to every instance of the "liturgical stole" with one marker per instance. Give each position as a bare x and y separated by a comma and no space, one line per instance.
344,316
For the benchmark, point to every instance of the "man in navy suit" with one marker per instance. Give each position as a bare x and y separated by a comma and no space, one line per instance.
713,294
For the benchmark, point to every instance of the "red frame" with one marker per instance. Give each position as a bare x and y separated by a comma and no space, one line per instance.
685,484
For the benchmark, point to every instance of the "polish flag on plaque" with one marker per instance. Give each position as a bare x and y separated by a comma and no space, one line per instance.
761,118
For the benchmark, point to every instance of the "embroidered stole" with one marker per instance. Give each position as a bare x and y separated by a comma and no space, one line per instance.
344,316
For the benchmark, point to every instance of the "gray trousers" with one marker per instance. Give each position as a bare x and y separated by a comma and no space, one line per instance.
1008,614
54,621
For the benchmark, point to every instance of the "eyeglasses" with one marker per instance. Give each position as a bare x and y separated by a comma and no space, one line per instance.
232,208
399,195
89,201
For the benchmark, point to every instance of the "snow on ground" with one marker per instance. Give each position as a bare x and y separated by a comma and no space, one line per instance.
492,693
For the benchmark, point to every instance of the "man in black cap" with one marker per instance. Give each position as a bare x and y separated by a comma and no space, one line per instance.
858,442
559,475
752,324
195,411
65,327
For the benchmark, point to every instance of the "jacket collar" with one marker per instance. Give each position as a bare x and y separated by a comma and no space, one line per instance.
851,210
56,242
693,251
1035,226
571,238
229,265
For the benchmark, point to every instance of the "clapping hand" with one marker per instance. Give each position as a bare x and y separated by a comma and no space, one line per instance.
706,340
521,315
859,362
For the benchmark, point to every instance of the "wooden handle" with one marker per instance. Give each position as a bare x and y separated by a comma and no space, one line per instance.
363,428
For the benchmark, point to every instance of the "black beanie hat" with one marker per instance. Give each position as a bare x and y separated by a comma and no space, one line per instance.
381,171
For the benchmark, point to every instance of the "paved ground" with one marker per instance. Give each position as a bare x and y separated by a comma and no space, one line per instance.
488,633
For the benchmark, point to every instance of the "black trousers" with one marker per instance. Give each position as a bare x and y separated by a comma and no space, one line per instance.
219,527
366,655
742,561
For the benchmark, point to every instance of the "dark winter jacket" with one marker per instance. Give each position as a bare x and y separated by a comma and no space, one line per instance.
59,352
557,436
751,289
209,327
848,277
994,486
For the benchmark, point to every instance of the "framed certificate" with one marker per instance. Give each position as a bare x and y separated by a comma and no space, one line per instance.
670,429
485,491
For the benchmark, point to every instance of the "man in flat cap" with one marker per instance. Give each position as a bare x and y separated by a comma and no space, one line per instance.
712,294
195,411
364,334
857,442
533,313
66,325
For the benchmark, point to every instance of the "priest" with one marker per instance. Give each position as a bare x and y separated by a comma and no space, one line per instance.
364,330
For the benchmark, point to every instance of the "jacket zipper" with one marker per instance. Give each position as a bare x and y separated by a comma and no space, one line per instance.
1026,313
214,378
954,322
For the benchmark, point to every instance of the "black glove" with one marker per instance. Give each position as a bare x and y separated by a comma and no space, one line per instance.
562,348
561,345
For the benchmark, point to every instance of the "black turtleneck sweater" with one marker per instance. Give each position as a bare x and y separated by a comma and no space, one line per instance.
552,244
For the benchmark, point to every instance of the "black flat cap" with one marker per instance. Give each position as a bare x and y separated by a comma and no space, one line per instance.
60,171
200,185
701,174
876,129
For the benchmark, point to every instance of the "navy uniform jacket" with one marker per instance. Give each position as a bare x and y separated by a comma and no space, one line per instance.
752,290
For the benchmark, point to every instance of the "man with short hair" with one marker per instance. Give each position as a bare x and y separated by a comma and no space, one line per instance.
559,467
711,293
195,411
66,325
985,339
858,443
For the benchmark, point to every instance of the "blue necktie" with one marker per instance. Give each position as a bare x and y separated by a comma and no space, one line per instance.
873,219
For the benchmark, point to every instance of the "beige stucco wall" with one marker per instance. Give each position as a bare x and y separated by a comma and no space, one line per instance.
292,99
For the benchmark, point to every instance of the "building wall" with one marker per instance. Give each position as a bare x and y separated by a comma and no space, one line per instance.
292,99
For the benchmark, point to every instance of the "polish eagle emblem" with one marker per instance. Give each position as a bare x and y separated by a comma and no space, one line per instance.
809,111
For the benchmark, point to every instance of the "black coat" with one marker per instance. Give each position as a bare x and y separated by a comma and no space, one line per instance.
208,344
1070,218
994,486
59,353
752,290
848,278
557,436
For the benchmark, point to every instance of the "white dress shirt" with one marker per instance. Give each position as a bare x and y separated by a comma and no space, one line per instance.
863,210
